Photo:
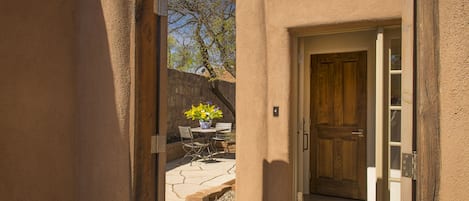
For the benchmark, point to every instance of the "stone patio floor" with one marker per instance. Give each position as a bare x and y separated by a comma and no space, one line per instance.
183,179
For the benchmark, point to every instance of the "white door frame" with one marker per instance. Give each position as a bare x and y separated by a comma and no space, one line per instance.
301,100
304,101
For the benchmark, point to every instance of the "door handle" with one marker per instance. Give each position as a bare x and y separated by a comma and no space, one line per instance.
305,142
358,132
305,134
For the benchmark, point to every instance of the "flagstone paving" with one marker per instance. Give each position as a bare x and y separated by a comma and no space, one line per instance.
183,179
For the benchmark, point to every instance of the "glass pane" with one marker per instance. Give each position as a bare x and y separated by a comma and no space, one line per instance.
395,191
395,54
395,125
396,90
395,159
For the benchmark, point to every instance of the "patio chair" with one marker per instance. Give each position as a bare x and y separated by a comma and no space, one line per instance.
193,149
225,135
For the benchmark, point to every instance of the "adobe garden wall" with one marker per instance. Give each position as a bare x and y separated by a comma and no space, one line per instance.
186,89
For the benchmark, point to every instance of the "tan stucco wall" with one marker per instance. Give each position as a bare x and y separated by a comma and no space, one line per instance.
264,159
251,87
454,95
37,100
65,83
103,88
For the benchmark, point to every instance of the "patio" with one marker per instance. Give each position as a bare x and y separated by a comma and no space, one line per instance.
183,179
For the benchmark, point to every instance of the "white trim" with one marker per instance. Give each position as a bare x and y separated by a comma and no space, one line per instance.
379,105
371,183
294,137
407,62
304,180
368,45
377,108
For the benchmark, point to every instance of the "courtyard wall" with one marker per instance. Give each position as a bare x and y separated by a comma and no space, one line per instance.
186,89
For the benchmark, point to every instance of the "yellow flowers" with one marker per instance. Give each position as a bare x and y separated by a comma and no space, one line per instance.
204,112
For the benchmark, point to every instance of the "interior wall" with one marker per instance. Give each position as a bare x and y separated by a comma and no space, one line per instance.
454,99
37,100
335,43
103,88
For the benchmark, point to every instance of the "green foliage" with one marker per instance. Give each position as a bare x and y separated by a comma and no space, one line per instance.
203,40
181,56
202,35
203,112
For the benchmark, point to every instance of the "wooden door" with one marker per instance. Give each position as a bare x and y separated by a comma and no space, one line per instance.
338,115
148,169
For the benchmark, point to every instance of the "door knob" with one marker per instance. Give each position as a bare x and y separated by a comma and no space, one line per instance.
358,132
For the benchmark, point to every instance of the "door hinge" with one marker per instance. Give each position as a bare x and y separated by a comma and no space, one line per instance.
158,144
160,7
409,165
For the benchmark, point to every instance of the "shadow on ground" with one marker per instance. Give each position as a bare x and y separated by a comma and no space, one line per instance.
183,161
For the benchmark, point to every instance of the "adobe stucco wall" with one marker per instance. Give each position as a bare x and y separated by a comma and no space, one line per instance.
103,89
37,100
264,160
65,83
454,97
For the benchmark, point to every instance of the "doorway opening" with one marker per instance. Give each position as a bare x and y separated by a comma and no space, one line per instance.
350,127
336,104
162,95
201,65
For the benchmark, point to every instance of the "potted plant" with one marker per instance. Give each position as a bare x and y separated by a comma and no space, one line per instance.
205,113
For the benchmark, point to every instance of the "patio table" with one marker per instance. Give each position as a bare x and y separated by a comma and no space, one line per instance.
207,131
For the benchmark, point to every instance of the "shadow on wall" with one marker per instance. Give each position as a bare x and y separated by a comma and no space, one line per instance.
103,88
64,79
38,100
277,179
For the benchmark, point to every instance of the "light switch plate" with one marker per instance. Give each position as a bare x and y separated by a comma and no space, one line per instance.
276,111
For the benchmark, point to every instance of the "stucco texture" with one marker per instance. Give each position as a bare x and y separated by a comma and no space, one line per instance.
103,88
37,101
65,83
264,80
454,97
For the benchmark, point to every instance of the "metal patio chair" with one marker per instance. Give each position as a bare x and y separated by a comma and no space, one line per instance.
224,135
193,149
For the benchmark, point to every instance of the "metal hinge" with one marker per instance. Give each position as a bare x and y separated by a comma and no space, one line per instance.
409,165
160,7
158,144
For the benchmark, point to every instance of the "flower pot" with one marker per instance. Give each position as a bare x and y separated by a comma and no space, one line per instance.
205,124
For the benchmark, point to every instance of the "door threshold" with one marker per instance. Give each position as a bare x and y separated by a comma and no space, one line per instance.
316,197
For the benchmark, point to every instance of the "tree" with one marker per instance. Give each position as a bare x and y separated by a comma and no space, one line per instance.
181,55
210,25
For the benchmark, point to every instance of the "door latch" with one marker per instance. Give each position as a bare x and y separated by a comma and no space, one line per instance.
358,132
158,144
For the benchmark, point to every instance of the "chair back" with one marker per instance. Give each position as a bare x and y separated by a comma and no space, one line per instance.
225,126
185,132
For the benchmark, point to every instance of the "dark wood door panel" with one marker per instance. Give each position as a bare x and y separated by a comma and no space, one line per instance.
338,114
148,170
